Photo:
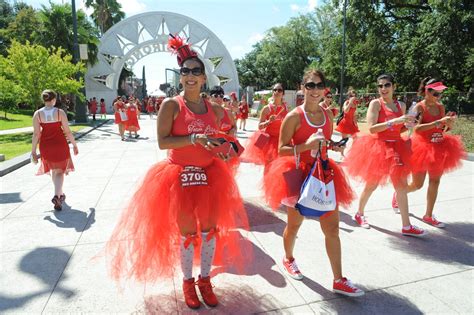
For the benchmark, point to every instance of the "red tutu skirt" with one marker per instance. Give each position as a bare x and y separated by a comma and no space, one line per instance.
276,188
375,161
118,120
263,155
145,244
437,158
347,126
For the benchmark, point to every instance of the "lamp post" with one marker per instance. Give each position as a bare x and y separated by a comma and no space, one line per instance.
166,76
343,55
81,114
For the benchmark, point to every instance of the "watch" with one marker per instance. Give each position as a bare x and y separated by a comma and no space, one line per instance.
389,124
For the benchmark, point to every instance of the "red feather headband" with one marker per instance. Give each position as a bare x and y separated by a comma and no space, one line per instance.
183,51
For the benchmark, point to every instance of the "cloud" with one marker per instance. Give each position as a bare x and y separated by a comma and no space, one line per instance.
312,4
132,7
275,9
294,7
256,37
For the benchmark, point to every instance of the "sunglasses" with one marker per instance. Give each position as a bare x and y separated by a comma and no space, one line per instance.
277,90
328,96
386,85
195,71
218,95
313,85
436,94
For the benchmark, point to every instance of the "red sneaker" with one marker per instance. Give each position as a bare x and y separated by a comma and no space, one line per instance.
362,221
205,287
345,287
432,221
190,295
395,203
292,269
413,231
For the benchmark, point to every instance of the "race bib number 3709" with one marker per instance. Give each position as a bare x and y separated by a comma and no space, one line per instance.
193,176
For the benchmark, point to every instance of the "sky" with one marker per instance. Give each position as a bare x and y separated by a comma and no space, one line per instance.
238,23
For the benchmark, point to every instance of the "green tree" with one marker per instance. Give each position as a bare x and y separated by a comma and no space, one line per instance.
33,68
106,13
25,27
10,94
57,21
8,13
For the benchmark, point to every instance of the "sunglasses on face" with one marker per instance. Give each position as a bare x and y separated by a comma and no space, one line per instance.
328,96
314,85
436,94
186,71
277,90
218,95
386,85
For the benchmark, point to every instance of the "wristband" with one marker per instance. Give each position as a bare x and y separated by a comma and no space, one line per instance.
192,137
389,124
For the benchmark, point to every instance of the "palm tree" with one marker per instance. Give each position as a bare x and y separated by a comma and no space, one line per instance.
106,13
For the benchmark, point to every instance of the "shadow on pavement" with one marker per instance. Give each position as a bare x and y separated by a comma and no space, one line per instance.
46,265
71,218
241,299
10,198
260,215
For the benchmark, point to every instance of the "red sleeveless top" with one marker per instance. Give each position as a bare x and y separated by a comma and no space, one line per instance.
53,145
433,134
307,129
226,124
385,114
273,129
187,123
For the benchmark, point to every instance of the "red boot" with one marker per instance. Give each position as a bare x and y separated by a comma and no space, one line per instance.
190,295
205,287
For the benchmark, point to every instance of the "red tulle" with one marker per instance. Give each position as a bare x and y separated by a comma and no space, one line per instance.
376,161
47,165
347,126
275,186
145,242
437,158
260,156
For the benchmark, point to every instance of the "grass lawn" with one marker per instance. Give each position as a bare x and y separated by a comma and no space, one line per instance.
16,144
24,118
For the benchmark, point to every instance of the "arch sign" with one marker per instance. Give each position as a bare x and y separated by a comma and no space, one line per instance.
144,34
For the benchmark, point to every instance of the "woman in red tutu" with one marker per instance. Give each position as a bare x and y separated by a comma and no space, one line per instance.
383,155
103,112
262,146
51,131
348,124
187,204
244,113
434,151
132,125
119,110
150,107
298,138
327,103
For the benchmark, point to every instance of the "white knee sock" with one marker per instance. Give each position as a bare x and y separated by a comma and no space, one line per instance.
207,254
187,255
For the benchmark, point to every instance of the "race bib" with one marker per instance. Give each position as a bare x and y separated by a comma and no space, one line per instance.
436,137
193,176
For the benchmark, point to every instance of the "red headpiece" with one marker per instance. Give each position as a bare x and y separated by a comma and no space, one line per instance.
327,91
183,51
437,86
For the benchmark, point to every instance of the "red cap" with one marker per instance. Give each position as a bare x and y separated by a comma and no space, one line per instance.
327,91
437,86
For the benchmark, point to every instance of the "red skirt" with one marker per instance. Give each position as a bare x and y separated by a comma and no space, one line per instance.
132,123
102,110
347,126
375,161
118,120
437,158
55,155
145,244
263,155
276,188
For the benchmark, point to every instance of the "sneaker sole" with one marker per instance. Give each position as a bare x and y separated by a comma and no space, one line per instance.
436,226
415,235
356,294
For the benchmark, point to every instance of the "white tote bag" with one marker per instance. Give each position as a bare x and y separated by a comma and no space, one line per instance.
123,116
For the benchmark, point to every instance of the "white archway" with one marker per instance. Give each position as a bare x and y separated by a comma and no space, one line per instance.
141,35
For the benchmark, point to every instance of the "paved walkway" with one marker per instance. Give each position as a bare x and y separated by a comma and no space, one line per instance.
51,262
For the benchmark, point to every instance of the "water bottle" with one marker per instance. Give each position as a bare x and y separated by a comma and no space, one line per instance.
320,136
410,125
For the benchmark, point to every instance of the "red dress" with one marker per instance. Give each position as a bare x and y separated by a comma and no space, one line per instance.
244,111
53,147
150,108
132,123
267,153
120,106
435,151
347,125
94,107
274,184
145,243
102,108
384,156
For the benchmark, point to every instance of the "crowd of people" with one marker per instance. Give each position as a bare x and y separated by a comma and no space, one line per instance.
189,204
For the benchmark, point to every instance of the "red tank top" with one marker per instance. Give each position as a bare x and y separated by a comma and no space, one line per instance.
306,129
385,114
187,123
433,134
349,116
226,124
273,129
120,105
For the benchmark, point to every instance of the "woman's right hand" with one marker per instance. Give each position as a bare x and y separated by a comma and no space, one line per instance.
403,120
312,143
34,157
272,118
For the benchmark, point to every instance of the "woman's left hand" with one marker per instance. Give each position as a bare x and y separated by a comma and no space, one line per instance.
75,150
339,148
224,157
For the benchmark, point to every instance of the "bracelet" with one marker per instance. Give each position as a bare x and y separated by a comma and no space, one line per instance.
389,124
192,137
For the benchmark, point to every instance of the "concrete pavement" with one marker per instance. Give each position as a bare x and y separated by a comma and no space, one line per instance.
52,263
